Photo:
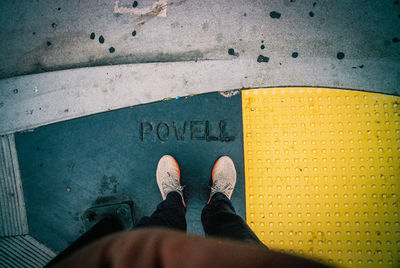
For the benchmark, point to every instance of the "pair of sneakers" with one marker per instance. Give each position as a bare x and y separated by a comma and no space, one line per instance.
223,177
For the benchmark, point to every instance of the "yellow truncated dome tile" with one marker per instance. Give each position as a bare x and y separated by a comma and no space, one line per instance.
322,173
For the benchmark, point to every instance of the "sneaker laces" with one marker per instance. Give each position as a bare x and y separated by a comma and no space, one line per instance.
170,185
223,189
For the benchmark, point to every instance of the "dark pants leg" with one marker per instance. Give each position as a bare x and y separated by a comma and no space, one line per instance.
104,227
170,213
220,219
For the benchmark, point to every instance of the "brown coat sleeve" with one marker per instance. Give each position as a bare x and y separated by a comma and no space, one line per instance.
164,248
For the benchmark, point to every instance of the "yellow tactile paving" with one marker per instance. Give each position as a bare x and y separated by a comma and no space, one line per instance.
322,170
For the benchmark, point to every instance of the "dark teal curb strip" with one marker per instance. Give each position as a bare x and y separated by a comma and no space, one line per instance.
66,166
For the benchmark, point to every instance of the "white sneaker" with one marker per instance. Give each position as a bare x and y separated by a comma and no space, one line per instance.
223,177
168,177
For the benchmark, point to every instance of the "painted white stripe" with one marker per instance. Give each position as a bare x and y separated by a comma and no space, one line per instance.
31,101
158,9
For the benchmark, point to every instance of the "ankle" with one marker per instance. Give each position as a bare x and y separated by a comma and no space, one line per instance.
217,195
177,193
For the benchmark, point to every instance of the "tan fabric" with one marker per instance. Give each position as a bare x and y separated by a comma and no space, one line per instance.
164,248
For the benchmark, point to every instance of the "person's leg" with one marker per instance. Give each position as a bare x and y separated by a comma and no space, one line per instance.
101,229
170,213
218,216
220,219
